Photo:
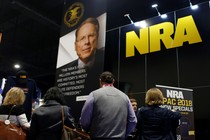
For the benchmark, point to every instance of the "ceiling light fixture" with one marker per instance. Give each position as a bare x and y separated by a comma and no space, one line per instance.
128,16
193,7
141,24
16,66
163,15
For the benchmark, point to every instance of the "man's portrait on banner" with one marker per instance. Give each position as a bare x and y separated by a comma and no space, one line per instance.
81,57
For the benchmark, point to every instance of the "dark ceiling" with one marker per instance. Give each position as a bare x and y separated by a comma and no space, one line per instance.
31,30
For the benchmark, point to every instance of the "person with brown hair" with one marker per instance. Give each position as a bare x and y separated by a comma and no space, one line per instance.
107,112
132,135
155,122
14,100
134,104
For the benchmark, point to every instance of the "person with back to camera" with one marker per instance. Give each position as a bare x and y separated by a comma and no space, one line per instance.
46,123
107,113
154,122
13,101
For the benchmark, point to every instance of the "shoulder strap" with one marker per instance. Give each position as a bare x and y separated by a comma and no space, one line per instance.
10,111
74,130
62,114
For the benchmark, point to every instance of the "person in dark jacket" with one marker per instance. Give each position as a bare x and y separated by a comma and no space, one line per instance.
46,123
154,122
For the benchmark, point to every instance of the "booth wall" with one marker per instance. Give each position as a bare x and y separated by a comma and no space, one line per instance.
187,66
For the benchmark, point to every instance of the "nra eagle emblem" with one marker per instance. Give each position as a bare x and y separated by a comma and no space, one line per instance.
73,14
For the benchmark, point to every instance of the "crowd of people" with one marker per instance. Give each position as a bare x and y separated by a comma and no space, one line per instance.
107,114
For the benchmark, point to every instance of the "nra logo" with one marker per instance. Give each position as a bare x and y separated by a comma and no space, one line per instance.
73,14
174,94
149,39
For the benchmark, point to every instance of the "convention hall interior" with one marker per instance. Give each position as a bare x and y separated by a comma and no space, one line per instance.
30,31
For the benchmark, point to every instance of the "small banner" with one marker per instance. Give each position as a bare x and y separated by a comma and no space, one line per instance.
180,99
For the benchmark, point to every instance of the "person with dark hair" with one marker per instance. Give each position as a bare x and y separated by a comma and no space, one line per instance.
107,112
134,104
154,122
132,135
46,123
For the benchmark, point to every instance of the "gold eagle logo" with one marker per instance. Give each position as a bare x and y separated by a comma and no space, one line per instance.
73,14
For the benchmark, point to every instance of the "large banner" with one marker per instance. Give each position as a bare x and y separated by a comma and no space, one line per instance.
81,51
180,99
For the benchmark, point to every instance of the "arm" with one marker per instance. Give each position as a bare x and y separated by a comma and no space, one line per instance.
23,121
35,91
86,115
69,120
21,116
139,122
174,115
